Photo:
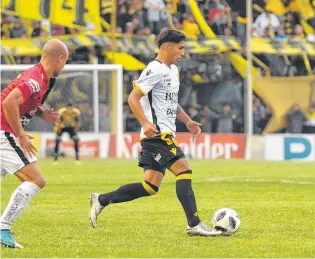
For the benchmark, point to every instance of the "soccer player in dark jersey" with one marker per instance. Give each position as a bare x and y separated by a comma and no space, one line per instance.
20,101
154,102
70,123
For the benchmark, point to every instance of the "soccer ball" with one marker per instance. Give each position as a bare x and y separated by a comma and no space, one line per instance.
227,220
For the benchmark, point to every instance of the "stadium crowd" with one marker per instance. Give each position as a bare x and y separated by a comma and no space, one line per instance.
212,91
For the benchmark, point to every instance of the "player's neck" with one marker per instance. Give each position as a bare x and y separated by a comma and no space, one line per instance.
49,71
163,59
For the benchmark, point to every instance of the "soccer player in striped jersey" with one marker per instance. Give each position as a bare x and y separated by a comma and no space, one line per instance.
20,101
154,102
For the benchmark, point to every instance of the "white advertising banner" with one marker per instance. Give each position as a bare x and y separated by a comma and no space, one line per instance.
279,147
90,145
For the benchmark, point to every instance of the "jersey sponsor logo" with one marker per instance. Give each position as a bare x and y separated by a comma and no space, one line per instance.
173,150
171,97
34,85
167,79
171,112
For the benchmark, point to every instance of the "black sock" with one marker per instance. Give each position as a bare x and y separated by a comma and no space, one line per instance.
186,196
76,148
57,149
128,192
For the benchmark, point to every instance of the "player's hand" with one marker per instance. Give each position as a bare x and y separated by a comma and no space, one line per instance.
194,128
149,129
51,116
25,142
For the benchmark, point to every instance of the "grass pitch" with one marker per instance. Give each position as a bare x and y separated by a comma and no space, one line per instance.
275,202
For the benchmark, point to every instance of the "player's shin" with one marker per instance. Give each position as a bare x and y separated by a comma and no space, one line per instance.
57,148
186,196
18,201
128,192
76,148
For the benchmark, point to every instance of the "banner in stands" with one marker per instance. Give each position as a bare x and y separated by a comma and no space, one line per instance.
208,146
90,145
290,147
70,13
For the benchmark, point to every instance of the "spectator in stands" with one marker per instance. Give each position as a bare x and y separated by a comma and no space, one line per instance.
57,30
289,23
154,8
281,35
295,119
181,7
178,26
228,31
265,117
310,123
5,26
266,20
190,27
18,30
208,117
147,32
129,28
135,24
226,119
298,32
194,114
222,19
258,115
123,18
36,29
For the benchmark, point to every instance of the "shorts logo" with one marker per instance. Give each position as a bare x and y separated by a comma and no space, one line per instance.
25,121
173,150
158,157
33,84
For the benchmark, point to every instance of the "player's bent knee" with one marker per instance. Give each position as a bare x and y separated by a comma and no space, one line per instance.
150,188
40,182
184,175
32,173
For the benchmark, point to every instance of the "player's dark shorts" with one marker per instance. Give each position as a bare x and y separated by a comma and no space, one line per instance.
159,152
70,130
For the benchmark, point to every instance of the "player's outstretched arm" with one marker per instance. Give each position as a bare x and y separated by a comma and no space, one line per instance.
192,126
135,106
11,108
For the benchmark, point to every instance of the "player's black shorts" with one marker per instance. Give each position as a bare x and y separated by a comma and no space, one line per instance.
70,130
159,152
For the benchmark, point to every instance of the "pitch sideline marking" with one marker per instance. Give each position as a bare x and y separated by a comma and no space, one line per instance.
229,178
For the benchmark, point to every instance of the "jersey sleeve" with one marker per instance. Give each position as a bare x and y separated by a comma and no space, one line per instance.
28,88
149,77
77,115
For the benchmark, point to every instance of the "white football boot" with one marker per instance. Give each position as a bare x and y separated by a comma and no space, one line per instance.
202,230
95,208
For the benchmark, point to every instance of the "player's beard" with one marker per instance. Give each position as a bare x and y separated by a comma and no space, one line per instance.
56,73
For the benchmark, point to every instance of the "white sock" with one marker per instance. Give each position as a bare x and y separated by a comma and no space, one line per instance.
18,201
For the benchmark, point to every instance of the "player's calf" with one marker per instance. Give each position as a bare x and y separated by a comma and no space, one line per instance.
124,193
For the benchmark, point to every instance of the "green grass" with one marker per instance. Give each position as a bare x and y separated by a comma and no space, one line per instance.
277,218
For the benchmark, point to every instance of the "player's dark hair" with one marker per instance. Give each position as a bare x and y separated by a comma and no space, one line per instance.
170,35
69,104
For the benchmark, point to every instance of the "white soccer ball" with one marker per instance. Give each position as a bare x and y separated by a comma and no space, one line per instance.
227,220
